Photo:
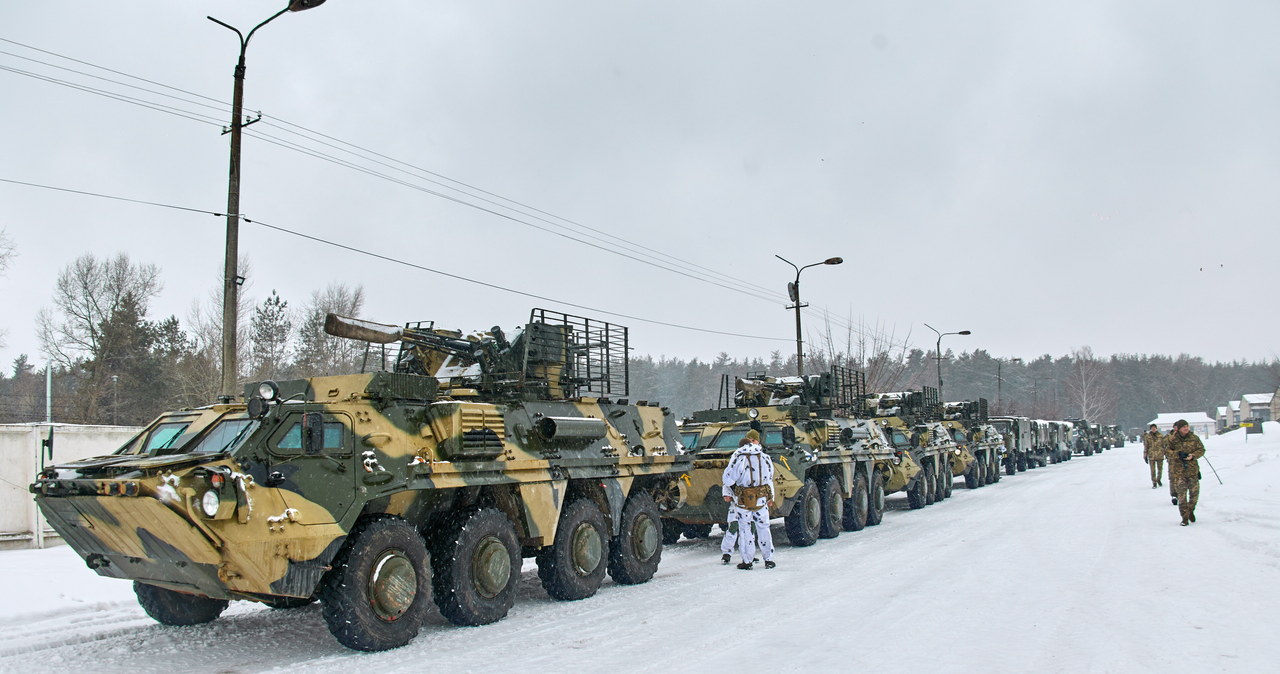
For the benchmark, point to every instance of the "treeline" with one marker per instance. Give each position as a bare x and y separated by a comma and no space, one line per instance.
114,364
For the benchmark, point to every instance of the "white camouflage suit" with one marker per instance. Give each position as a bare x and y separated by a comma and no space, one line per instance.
749,467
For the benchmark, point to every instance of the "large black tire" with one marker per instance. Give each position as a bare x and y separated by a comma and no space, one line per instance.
379,590
636,551
694,531
916,493
671,530
971,477
995,471
856,507
945,481
805,519
169,607
477,568
832,508
1088,450
930,485
875,498
574,566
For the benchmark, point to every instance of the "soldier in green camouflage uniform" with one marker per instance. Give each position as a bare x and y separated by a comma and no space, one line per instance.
1183,448
1153,456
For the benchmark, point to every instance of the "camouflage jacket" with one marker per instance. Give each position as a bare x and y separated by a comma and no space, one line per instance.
1151,445
1190,446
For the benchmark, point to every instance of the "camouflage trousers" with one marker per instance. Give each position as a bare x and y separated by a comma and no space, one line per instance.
750,528
1187,491
1157,470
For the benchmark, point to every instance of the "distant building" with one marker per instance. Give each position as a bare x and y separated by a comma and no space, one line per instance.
1233,411
1256,406
1200,422
1223,417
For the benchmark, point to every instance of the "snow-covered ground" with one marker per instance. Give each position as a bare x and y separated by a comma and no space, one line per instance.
1076,567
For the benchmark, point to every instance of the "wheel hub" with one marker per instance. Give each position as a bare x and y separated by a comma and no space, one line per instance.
645,538
393,585
586,548
491,568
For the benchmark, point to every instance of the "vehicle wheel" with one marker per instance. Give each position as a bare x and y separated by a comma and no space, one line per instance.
693,531
832,522
1088,451
917,492
379,589
856,507
946,479
875,498
971,480
1010,466
635,553
477,568
573,567
286,603
671,530
930,485
169,607
995,471
805,519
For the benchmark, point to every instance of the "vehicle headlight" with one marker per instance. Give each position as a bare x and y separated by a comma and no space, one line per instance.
210,503
957,452
753,413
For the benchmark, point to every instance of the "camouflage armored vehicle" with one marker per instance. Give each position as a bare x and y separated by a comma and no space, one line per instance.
1114,435
825,461
1060,439
967,422
374,492
910,420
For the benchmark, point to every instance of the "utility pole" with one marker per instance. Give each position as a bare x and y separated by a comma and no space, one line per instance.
231,277
793,291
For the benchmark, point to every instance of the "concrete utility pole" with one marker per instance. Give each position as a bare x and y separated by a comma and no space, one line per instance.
231,279
793,291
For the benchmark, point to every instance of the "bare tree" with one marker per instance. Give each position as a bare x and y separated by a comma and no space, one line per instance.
320,353
1089,387
7,251
875,351
88,293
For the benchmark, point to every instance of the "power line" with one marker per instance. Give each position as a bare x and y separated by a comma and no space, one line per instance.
634,249
406,263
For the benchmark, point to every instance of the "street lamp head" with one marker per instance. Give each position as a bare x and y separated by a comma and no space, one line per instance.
299,5
833,260
964,332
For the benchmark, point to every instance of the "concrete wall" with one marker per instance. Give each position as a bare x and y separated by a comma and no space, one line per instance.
20,460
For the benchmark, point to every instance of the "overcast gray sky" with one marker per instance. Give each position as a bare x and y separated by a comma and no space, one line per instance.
1048,175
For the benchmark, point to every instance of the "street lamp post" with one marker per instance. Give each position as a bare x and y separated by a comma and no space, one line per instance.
793,291
937,353
230,278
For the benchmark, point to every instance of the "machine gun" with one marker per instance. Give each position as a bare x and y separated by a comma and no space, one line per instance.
554,357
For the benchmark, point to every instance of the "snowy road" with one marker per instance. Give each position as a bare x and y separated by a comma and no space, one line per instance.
1077,567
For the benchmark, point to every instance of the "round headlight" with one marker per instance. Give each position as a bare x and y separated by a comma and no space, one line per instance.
268,390
753,413
210,503
897,460
957,452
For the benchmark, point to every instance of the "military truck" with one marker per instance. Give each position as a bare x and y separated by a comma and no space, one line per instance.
1016,432
374,492
968,423
1114,435
825,460
923,447
1085,437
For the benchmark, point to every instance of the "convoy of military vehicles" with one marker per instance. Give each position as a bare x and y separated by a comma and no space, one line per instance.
433,480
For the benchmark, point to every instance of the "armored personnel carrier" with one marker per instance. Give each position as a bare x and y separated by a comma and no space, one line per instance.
826,460
374,492
910,419
968,423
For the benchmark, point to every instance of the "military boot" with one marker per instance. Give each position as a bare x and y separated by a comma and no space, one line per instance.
745,566
769,564
1175,500
1191,515
724,559
1184,523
